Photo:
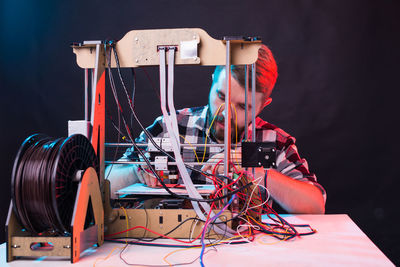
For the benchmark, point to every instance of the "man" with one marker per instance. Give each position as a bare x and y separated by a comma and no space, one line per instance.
290,184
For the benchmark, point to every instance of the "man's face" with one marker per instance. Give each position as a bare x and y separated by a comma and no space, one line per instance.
217,97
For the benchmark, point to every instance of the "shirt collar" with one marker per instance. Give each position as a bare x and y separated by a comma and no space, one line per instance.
200,121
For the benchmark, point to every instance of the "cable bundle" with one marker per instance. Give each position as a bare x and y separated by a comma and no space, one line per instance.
45,179
242,194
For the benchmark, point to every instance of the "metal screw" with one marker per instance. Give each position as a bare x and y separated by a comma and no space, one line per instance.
266,157
67,246
259,164
137,60
15,246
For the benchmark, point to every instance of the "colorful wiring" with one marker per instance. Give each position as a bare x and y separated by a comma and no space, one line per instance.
248,220
240,193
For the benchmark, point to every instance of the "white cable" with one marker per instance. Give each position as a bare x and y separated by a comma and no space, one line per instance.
249,223
192,191
171,106
174,134
246,225
193,228
257,184
185,176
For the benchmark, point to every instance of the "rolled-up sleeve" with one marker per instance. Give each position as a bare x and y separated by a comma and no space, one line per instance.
290,163
155,130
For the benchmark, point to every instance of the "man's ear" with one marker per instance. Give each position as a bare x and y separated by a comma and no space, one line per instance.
267,102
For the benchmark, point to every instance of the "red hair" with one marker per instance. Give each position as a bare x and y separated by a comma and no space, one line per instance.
266,72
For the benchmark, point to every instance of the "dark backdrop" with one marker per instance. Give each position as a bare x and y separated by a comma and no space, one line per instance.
336,91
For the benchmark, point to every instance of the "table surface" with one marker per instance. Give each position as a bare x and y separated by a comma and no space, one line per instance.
338,242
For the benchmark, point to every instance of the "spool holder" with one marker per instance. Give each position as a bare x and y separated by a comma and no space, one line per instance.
20,242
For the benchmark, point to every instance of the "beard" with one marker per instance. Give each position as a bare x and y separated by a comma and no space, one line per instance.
218,132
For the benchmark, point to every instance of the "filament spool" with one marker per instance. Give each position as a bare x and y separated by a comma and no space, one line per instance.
44,181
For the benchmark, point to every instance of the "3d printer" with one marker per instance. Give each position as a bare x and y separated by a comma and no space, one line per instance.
69,207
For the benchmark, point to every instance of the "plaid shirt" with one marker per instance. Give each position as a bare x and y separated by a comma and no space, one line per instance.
192,125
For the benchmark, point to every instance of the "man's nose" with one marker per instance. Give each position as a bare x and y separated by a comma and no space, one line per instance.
224,113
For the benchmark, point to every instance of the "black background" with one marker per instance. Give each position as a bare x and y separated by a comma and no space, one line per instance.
336,91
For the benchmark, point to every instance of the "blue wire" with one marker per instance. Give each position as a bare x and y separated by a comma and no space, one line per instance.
203,245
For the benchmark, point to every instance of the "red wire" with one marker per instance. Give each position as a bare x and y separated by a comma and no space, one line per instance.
147,229
142,227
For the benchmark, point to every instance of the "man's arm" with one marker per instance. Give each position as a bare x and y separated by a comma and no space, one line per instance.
123,175
120,176
293,195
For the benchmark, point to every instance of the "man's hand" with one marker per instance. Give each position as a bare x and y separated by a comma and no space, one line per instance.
147,178
217,162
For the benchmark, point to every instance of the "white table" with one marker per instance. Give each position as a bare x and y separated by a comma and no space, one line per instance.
338,242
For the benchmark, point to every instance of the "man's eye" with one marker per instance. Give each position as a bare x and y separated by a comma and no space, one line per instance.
221,96
243,107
